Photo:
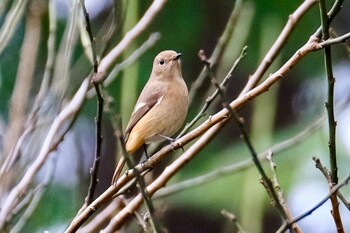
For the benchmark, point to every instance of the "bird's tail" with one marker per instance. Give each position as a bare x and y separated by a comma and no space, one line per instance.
118,169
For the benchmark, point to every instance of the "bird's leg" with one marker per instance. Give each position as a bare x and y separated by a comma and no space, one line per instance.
146,154
171,140
145,150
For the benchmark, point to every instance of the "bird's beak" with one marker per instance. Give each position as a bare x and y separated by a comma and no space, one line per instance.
177,56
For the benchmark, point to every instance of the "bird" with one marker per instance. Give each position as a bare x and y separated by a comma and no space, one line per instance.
161,108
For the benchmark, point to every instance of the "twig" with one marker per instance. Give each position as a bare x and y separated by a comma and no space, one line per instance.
280,193
211,98
331,118
278,45
243,165
330,16
36,195
219,48
25,73
11,22
100,219
98,144
98,119
68,112
152,39
141,185
51,42
107,62
265,180
337,40
230,216
325,173
330,101
91,37
334,190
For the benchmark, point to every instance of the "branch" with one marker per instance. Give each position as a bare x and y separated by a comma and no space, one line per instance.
141,186
24,79
107,62
11,22
151,41
230,216
219,48
332,41
280,193
326,175
243,165
70,111
98,119
333,191
331,118
211,98
278,45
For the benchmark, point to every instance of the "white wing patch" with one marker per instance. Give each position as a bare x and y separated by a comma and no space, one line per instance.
138,106
160,100
142,104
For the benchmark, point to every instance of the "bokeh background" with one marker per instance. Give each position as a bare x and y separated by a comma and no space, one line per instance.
288,108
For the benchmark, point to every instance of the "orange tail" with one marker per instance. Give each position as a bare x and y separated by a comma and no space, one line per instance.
118,169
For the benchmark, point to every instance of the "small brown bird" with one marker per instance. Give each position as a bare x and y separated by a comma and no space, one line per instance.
161,107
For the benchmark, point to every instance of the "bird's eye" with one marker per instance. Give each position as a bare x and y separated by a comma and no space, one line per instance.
161,62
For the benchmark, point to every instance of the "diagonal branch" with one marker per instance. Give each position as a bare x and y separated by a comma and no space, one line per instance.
334,190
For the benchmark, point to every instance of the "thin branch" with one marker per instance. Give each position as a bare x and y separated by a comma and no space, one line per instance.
230,216
151,41
24,79
337,40
91,37
211,98
68,112
265,180
11,22
141,185
219,48
280,193
35,196
330,16
243,165
330,101
98,144
51,42
98,119
278,45
333,191
331,118
325,173
108,61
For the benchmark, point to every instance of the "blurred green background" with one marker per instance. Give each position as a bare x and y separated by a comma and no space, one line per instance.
188,26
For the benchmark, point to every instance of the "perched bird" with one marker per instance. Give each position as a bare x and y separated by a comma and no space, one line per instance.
161,107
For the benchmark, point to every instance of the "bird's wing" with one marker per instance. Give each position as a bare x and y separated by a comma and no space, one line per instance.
147,100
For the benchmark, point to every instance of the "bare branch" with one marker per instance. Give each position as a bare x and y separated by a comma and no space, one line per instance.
67,113
334,190
142,24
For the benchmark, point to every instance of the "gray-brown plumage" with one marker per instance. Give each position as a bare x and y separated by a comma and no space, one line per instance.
161,107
